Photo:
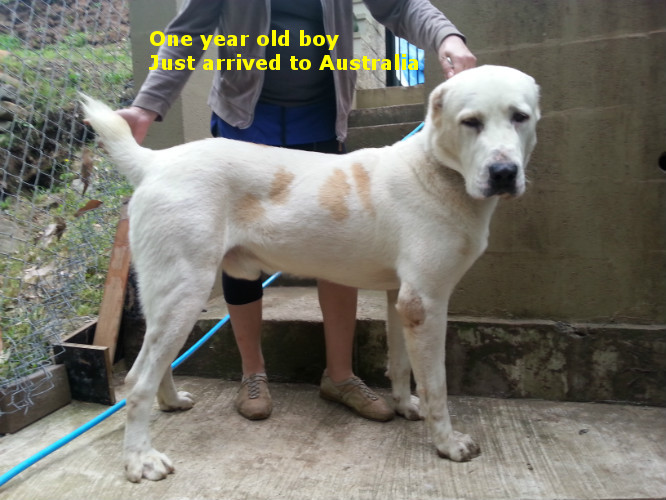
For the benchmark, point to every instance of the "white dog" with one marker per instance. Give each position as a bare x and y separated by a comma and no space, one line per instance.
409,218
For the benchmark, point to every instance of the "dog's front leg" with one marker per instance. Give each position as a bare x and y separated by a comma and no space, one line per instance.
399,370
168,323
424,320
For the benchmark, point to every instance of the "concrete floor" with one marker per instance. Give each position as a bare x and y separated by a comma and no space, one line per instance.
314,449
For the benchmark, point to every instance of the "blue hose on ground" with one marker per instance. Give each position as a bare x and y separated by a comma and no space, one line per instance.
13,472
121,404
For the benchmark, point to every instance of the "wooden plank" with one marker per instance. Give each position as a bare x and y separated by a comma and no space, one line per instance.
111,309
83,335
89,371
51,392
89,367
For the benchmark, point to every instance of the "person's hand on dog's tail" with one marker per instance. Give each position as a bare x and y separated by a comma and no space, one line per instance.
139,120
454,56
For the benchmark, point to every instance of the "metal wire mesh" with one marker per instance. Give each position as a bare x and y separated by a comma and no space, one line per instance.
59,200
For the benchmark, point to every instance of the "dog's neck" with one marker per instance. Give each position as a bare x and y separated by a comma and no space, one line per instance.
443,183
435,175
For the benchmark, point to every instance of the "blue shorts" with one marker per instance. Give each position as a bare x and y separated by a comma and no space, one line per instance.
282,126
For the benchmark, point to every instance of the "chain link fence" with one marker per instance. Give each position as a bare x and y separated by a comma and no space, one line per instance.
59,199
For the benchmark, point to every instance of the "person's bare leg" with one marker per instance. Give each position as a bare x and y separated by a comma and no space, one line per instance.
338,307
253,400
246,324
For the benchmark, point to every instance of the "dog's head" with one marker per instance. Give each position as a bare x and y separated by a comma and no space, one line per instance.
482,123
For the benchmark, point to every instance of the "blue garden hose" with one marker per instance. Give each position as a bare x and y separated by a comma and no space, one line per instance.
419,127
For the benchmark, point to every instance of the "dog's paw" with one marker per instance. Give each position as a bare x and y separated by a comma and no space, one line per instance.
459,448
182,401
409,409
150,464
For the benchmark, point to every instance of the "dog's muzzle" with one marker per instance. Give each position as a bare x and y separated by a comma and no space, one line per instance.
502,178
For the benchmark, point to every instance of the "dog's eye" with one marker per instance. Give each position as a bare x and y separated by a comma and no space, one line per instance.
519,117
474,123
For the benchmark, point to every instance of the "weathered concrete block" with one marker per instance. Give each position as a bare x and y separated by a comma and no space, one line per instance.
556,361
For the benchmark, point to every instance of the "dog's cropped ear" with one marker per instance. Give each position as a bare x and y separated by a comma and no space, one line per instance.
436,101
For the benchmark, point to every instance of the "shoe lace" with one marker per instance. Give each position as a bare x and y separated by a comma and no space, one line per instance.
367,392
253,386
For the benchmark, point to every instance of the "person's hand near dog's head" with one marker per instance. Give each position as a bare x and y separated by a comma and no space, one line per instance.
455,56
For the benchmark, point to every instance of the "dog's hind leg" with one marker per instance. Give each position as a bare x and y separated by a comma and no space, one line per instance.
170,316
169,398
399,370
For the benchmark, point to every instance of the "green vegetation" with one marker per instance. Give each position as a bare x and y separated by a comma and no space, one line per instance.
8,42
73,266
57,72
52,284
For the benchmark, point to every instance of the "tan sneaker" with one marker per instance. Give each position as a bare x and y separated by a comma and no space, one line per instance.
357,396
253,400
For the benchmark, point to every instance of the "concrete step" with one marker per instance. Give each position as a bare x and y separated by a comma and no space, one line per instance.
386,115
378,136
288,280
390,96
292,338
485,356
314,449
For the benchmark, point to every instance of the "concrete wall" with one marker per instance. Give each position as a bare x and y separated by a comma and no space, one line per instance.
368,41
588,240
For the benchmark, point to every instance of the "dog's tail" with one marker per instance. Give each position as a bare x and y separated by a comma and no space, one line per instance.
117,139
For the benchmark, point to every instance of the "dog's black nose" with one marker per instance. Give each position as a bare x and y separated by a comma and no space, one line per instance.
502,177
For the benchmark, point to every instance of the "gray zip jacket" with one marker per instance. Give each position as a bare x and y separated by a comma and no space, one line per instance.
234,94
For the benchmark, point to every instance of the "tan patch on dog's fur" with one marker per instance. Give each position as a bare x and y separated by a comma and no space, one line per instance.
279,192
410,307
362,179
249,209
332,195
